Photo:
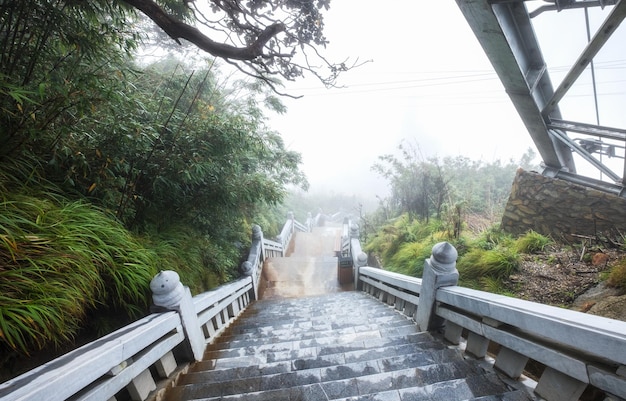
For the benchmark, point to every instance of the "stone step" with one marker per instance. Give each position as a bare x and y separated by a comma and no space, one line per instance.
343,300
348,353
280,318
310,330
318,347
315,392
345,346
515,395
379,359
312,302
326,321
332,370
304,337
444,381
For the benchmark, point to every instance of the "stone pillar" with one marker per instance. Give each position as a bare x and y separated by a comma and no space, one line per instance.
354,230
439,271
361,260
250,266
168,292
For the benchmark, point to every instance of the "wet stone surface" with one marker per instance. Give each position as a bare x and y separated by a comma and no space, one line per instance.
342,345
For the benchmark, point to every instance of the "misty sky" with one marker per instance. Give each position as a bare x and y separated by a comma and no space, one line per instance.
430,83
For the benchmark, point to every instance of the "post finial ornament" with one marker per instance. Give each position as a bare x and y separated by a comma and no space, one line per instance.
247,268
257,233
439,271
443,258
167,290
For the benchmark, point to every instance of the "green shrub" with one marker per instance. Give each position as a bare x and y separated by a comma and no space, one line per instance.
617,276
492,238
495,263
60,260
390,240
531,242
201,264
410,258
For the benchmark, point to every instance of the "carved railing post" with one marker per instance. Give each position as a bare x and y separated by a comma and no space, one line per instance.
354,231
169,293
361,261
359,258
255,257
439,271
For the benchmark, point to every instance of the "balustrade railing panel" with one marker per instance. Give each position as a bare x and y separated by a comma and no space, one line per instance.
589,349
579,331
96,364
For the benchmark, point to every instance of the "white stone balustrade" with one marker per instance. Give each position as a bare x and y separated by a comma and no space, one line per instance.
577,349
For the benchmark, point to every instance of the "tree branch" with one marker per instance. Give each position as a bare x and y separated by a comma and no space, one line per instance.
177,29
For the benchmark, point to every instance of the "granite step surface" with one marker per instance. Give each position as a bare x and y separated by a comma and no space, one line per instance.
341,346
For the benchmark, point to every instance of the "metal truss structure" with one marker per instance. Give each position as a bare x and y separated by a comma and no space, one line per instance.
505,31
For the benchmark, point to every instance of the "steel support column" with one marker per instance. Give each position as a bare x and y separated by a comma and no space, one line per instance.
603,34
505,32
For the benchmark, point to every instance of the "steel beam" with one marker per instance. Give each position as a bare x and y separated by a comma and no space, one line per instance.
567,141
615,18
588,129
574,5
599,185
507,37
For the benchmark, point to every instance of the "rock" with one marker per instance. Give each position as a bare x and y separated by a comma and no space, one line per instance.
593,296
612,307
599,259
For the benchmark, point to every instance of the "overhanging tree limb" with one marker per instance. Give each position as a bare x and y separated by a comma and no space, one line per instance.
178,29
264,39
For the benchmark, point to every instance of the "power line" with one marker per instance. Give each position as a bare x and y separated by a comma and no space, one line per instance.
460,77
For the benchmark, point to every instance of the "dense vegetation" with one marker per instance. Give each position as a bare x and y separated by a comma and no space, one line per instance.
111,171
455,200
485,260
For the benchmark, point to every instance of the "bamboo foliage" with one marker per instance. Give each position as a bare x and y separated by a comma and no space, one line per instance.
59,260
109,170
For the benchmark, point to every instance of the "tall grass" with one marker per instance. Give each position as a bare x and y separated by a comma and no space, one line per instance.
410,258
497,263
201,263
492,238
531,242
59,260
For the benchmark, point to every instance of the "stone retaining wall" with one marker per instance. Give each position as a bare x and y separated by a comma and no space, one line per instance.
561,209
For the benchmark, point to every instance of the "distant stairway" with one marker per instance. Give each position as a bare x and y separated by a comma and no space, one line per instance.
309,269
339,346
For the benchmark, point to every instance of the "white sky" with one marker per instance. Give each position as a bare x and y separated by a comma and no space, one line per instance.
430,82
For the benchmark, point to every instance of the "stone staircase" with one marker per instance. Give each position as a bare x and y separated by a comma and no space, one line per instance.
339,346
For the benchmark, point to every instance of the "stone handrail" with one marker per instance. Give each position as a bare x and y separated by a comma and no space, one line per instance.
576,349
104,366
150,350
290,227
272,248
